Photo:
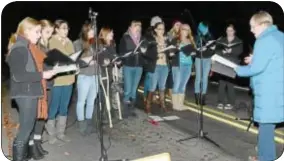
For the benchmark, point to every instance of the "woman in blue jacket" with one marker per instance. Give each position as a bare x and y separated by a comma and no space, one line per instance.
266,70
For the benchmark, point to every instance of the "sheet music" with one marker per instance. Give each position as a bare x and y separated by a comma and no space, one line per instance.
87,59
75,56
168,48
64,68
223,61
229,45
213,41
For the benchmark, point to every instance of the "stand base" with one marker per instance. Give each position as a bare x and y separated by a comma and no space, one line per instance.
246,119
201,135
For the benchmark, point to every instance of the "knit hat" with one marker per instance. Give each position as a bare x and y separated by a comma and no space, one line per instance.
155,20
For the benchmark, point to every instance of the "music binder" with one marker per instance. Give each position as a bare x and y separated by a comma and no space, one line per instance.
223,66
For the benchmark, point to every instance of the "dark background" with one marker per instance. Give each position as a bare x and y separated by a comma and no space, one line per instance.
118,15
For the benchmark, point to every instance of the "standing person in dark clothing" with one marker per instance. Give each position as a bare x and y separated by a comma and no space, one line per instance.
28,85
203,37
232,54
132,66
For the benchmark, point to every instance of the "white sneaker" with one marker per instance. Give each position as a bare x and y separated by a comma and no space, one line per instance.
220,106
228,107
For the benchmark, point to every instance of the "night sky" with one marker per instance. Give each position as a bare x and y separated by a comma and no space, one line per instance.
118,15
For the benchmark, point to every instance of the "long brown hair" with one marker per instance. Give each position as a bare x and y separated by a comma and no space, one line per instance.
189,36
103,34
84,36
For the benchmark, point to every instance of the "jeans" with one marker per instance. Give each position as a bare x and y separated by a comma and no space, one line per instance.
266,144
206,66
222,92
87,87
132,76
159,77
181,76
60,98
27,118
147,82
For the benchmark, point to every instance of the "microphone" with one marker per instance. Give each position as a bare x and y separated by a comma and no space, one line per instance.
92,14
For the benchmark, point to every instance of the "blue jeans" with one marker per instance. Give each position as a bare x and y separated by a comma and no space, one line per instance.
87,87
132,76
159,77
60,99
266,144
181,76
147,82
206,66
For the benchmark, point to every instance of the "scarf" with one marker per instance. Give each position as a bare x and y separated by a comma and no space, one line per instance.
38,57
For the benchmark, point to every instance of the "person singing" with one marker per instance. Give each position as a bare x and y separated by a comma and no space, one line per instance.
182,65
132,66
232,54
28,84
87,80
267,81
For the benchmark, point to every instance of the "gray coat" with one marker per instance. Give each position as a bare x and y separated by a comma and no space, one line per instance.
24,77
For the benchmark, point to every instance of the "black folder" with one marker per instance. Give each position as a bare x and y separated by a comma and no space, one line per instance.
223,69
55,56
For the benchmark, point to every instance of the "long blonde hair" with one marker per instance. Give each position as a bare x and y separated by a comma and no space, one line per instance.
26,24
189,36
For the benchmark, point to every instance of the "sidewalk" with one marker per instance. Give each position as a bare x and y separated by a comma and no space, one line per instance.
130,139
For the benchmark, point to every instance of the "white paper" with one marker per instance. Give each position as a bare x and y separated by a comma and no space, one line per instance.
156,118
75,56
65,68
223,61
229,45
87,59
168,48
170,118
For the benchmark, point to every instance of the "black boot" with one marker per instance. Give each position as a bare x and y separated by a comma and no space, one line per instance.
38,143
34,153
126,110
197,100
20,151
132,108
203,99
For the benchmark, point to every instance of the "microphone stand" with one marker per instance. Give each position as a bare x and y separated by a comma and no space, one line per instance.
103,157
201,134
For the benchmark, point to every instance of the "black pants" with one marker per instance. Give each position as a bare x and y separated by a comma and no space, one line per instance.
222,92
27,118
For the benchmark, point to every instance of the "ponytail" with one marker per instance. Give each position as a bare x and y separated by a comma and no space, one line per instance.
12,41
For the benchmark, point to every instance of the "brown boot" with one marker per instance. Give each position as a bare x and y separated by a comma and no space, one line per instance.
162,100
149,102
175,102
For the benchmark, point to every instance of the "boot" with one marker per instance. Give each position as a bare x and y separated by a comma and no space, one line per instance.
197,100
126,110
170,93
132,108
203,99
162,101
149,102
175,102
181,102
19,151
34,152
91,127
38,143
61,126
51,130
82,125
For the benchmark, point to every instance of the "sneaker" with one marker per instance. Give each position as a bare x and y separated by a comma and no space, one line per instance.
228,107
220,106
